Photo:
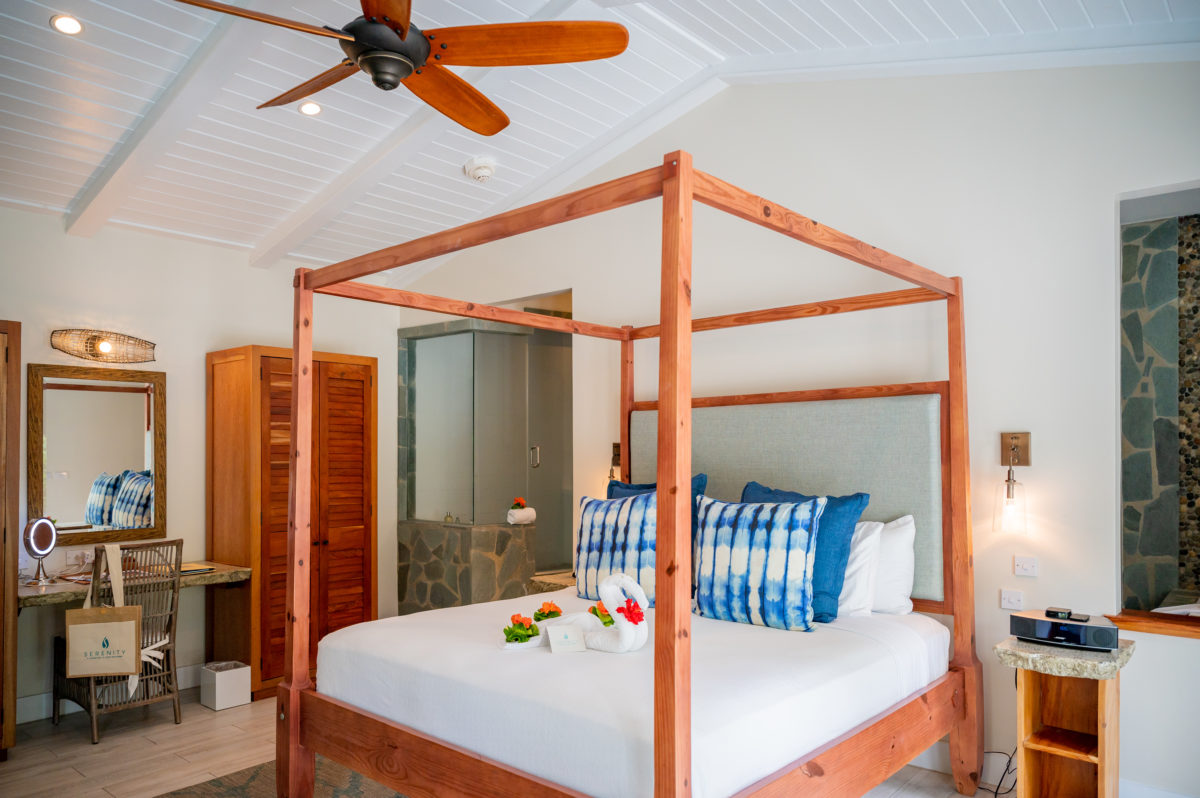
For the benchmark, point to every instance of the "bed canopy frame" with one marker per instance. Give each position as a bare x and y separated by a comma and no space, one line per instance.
420,765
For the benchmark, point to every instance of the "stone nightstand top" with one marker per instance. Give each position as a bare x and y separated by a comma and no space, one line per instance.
1060,661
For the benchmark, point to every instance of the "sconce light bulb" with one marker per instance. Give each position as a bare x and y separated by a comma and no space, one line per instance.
105,347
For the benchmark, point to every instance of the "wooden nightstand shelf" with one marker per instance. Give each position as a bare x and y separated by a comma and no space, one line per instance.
1068,716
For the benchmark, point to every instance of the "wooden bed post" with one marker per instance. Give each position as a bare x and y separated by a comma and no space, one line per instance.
295,765
626,400
966,737
673,572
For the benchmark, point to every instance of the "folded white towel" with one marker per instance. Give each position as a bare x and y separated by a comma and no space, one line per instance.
523,515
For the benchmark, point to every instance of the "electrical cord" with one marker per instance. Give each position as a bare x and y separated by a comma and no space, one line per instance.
1009,769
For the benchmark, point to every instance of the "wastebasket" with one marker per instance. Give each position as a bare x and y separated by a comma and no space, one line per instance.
224,685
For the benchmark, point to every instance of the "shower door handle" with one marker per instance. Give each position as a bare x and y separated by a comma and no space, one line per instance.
535,456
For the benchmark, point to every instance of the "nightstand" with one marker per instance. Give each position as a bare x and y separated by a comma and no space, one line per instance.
1068,714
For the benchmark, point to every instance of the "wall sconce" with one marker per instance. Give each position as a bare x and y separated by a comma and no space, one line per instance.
1010,515
102,346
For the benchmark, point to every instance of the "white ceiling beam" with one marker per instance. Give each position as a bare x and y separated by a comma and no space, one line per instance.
167,119
385,158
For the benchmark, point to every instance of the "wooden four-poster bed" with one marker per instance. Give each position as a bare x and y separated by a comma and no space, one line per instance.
418,764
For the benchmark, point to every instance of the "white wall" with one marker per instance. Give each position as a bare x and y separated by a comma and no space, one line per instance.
1009,180
189,299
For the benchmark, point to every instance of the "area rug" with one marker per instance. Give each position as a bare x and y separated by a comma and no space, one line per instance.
333,781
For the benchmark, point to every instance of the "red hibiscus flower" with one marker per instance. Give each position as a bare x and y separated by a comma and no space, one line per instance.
632,612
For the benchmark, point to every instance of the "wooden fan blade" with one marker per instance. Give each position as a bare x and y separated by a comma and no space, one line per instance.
322,81
457,99
517,43
270,19
393,13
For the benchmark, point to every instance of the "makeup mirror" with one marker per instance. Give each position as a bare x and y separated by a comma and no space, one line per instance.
40,537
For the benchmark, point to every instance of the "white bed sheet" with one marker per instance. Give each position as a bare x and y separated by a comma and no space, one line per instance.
761,698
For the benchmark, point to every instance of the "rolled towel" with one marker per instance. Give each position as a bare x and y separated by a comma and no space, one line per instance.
523,515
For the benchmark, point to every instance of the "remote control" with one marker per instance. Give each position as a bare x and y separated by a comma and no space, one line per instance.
1080,617
1058,612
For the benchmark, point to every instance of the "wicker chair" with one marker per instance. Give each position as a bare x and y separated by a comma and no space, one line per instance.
151,572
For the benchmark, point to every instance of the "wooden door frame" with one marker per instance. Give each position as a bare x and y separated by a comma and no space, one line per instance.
12,486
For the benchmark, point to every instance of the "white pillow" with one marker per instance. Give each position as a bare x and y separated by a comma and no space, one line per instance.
858,590
897,563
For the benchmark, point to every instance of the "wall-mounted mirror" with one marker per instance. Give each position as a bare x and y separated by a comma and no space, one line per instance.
97,452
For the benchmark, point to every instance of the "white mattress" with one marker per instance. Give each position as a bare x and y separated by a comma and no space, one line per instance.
761,698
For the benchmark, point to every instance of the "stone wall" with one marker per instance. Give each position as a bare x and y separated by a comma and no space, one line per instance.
447,565
1189,402
1150,412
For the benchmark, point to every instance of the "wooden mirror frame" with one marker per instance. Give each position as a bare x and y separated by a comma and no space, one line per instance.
35,468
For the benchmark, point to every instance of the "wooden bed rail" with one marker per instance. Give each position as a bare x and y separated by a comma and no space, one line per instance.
815,395
407,760
889,299
623,191
741,203
872,751
474,310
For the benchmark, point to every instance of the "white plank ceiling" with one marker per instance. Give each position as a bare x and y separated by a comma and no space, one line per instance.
147,119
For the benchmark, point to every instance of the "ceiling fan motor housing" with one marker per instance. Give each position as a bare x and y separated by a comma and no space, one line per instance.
382,54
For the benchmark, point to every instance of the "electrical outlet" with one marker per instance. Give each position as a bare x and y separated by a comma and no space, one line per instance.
1025,566
1012,600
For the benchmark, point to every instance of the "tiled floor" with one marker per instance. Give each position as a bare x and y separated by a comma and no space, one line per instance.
143,753
913,782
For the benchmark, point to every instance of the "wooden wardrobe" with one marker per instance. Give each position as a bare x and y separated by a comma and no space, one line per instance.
249,423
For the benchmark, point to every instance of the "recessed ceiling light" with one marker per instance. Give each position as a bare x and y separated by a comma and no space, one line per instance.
64,23
310,108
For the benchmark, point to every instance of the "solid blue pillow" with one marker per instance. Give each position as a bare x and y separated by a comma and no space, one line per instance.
619,490
833,541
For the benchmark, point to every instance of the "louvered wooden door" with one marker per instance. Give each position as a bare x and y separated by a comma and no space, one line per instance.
249,445
276,426
344,493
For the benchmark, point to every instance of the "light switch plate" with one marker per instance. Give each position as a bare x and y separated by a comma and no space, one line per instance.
1012,600
1025,566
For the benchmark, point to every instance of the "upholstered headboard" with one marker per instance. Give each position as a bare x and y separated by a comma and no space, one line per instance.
890,447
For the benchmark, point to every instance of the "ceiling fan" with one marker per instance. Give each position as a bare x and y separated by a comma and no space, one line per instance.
391,50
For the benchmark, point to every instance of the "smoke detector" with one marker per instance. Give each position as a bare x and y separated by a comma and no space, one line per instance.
480,168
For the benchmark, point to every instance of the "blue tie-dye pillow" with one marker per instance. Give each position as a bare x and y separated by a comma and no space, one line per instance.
756,562
616,536
98,510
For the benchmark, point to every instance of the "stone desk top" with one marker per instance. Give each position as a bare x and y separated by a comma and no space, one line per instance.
1059,661
67,592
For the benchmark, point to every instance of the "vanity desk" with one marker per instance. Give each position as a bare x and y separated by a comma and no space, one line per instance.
65,592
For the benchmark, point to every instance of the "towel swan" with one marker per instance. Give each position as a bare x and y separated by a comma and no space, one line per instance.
620,638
